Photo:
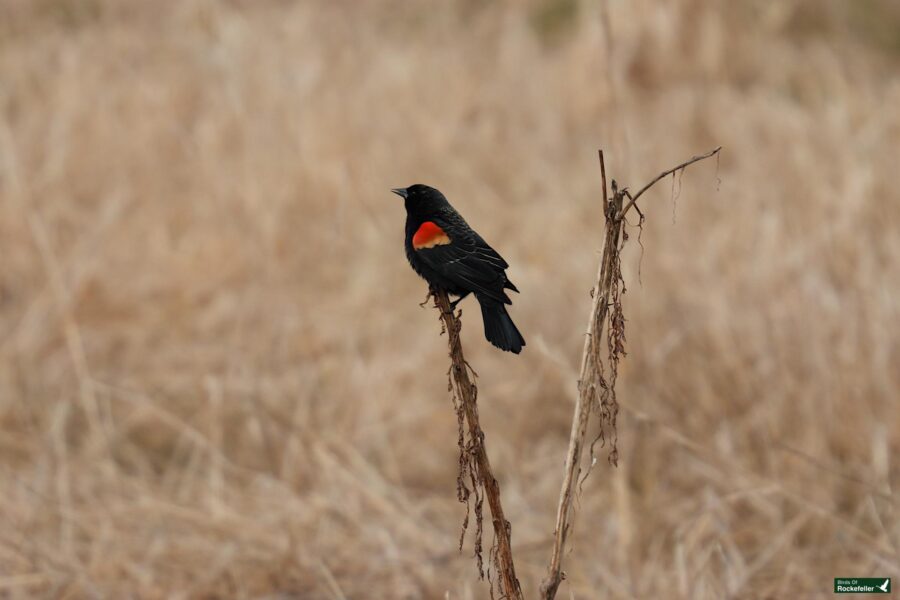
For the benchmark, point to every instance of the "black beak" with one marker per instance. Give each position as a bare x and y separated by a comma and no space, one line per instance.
400,192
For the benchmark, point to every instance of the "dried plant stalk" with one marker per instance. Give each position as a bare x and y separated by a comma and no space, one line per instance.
596,389
474,464
589,381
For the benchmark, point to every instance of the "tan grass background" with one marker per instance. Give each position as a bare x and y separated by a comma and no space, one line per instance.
215,380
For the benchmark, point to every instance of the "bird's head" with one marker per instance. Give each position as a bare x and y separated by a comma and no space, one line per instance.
421,198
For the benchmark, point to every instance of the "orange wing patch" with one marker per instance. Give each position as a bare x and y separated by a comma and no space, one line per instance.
429,235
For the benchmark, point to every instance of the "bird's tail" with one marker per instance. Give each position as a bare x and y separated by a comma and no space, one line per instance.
499,329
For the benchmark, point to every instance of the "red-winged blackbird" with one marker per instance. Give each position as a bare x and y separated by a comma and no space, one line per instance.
451,256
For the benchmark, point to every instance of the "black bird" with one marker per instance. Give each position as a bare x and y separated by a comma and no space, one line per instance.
451,256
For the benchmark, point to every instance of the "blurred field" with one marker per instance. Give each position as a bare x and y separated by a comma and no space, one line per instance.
215,380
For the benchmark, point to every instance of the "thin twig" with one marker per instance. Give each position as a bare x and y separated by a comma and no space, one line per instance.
603,181
482,474
664,174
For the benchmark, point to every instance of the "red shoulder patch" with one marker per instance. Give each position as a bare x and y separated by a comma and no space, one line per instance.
429,235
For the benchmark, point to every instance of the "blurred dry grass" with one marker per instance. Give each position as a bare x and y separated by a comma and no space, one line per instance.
215,380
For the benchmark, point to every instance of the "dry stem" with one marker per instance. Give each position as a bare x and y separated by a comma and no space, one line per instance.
479,469
592,369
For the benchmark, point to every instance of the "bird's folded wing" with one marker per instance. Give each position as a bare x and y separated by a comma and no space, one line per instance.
470,264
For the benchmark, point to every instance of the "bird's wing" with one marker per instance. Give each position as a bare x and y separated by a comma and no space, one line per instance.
489,253
485,250
468,262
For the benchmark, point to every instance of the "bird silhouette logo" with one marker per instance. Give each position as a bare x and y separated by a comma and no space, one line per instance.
886,586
